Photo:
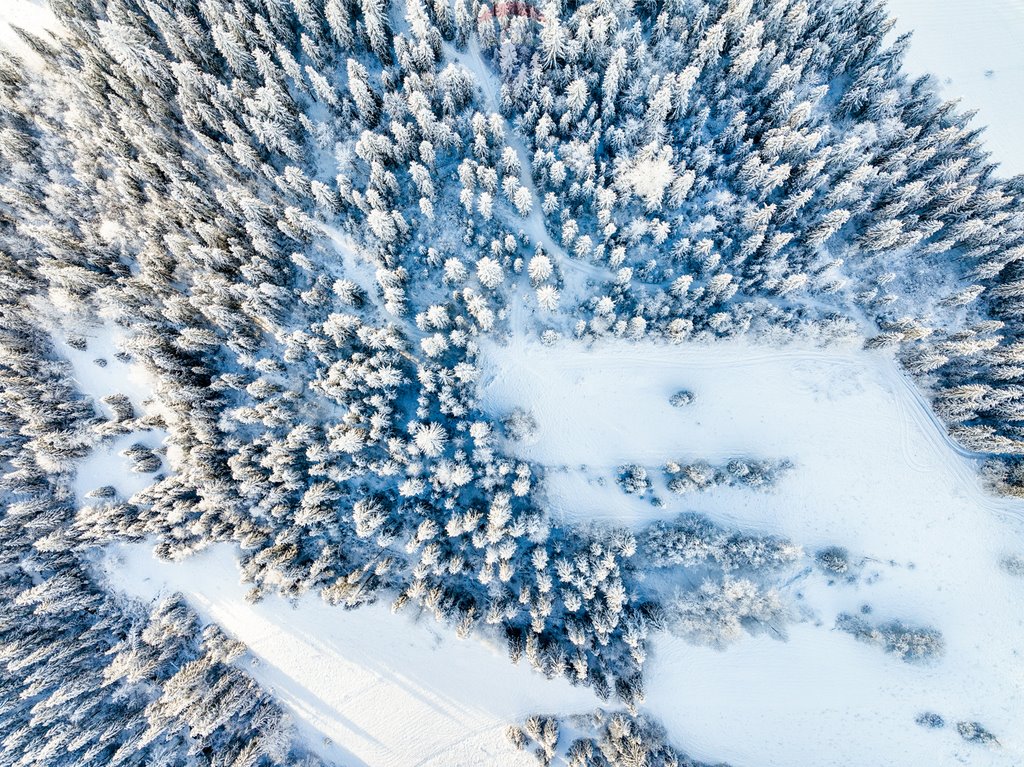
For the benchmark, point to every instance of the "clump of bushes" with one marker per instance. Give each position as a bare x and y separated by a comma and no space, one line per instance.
931,720
909,643
633,479
719,612
1014,565
700,475
975,732
615,739
682,398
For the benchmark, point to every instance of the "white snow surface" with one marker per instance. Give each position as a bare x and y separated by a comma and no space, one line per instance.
105,465
873,472
365,686
33,16
976,52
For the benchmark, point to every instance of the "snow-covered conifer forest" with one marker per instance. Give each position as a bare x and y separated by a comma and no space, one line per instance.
444,382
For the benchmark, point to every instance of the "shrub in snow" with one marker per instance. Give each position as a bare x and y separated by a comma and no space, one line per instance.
691,540
107,491
909,643
1014,565
144,460
975,732
700,475
758,474
621,739
520,426
833,559
931,720
681,398
633,479
120,405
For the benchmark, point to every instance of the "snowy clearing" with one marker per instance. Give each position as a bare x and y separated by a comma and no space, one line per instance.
385,689
98,372
976,52
33,16
873,472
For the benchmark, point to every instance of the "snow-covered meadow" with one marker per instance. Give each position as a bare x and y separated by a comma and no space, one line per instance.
873,472
975,51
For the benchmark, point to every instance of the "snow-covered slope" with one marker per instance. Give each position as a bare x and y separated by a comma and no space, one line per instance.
976,52
873,472
383,689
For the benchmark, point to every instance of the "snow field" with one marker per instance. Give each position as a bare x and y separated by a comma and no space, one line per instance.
104,465
976,52
365,687
872,473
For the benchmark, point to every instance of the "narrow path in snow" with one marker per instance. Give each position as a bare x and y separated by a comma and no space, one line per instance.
574,271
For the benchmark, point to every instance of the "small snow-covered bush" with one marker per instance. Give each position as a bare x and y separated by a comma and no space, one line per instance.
930,719
520,426
1014,565
682,398
909,643
633,479
975,732
833,559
